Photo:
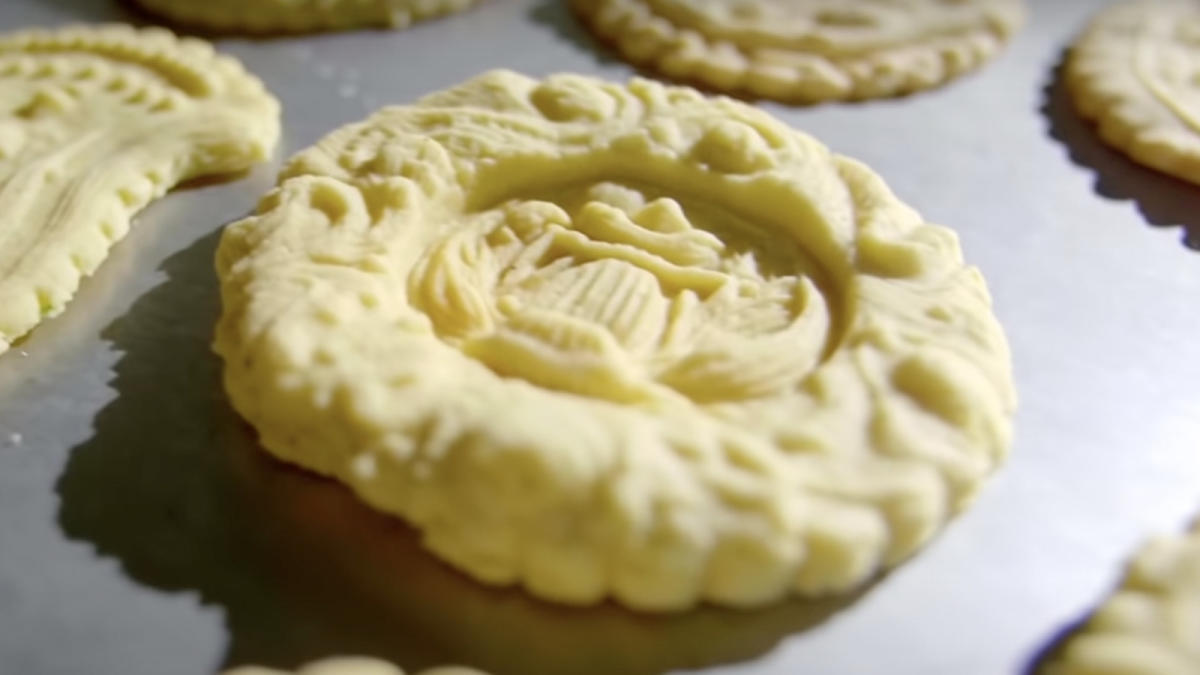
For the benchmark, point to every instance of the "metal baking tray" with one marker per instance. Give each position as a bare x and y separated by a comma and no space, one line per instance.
142,533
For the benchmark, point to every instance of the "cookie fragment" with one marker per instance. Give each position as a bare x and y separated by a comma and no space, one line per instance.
299,16
616,340
95,123
806,51
1150,625
1135,71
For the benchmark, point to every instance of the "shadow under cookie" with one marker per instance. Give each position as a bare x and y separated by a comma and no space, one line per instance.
173,486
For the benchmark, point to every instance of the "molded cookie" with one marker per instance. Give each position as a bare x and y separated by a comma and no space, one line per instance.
296,16
1136,72
616,340
95,123
351,666
807,50
1150,625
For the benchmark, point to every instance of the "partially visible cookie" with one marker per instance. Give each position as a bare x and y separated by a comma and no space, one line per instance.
1151,623
298,16
807,50
609,340
351,666
1136,72
95,123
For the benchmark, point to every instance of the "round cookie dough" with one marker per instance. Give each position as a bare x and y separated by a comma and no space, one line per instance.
1150,625
1136,72
605,340
806,50
351,666
95,123
297,16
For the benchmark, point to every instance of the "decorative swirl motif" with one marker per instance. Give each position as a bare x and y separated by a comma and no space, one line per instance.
297,16
95,123
632,288
807,50
1136,72
616,340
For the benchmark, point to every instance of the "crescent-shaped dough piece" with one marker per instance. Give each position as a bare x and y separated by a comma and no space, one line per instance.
300,16
807,51
95,123
1150,624
1136,72
608,340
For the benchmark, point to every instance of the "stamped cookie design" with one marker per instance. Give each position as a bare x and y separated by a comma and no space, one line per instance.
807,50
352,666
605,340
1150,625
1136,72
95,123
298,16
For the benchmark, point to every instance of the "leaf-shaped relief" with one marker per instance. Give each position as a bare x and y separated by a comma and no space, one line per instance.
452,285
659,228
730,365
559,351
623,299
94,124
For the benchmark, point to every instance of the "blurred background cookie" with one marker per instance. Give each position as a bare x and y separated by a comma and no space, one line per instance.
1150,625
806,50
1136,72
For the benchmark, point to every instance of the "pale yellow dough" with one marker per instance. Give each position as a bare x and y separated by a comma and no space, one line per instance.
95,123
807,50
1151,623
1136,72
351,666
600,339
293,16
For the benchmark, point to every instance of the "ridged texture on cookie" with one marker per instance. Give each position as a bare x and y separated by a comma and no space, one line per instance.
1150,625
1136,72
351,666
96,122
806,50
616,340
297,16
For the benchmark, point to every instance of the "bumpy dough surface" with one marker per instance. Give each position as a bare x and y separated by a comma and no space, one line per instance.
1136,72
616,340
807,50
96,122
1151,623
294,16
351,666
